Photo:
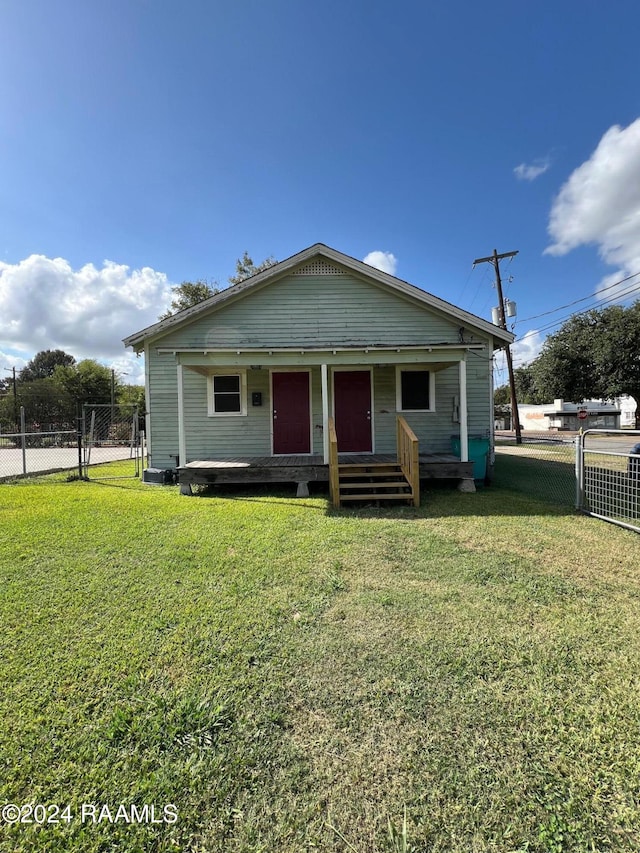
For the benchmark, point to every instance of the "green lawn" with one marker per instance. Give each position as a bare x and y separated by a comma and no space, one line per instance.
291,678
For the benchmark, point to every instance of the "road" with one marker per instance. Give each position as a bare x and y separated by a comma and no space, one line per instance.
611,443
43,459
617,443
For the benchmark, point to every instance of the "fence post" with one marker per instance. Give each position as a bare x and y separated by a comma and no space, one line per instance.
23,431
143,451
579,470
79,437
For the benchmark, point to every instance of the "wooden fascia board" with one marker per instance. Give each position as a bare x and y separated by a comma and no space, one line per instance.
272,274
439,358
367,349
417,301
427,301
225,297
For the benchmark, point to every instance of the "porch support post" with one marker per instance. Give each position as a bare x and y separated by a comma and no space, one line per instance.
464,429
324,372
182,441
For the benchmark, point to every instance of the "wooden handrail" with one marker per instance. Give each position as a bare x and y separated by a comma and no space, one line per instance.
334,475
408,457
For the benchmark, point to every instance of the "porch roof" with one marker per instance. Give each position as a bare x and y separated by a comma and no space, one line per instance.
437,355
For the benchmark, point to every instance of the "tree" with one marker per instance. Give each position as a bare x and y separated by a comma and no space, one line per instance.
191,293
46,404
132,395
44,364
86,382
188,294
527,391
245,268
502,396
595,354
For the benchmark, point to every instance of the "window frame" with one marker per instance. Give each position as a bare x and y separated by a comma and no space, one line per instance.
417,368
211,394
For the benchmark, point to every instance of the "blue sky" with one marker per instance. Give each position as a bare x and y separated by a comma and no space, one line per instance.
165,138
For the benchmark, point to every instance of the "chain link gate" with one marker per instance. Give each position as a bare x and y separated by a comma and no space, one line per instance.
608,476
111,433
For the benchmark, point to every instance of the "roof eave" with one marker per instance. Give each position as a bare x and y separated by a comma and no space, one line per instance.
280,269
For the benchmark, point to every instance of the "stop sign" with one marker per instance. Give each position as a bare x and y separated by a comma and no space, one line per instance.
582,414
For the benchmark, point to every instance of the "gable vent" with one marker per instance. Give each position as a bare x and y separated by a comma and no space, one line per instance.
319,267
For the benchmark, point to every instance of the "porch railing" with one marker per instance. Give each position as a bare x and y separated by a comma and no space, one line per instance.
408,457
334,472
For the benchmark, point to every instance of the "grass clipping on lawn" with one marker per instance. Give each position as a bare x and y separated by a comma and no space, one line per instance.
459,677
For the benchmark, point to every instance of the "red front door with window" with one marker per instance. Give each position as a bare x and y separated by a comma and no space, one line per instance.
352,408
291,412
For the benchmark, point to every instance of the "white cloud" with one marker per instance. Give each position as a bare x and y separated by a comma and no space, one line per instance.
600,204
385,261
523,351
527,347
46,304
10,359
529,172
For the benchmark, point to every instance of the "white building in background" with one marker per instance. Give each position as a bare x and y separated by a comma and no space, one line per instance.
590,414
628,411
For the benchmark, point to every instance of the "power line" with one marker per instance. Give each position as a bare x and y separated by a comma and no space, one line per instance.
560,320
479,287
583,299
464,286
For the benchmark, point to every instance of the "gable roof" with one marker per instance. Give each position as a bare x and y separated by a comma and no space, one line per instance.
280,269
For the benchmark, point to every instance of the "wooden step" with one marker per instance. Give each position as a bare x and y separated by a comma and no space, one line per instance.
373,481
376,496
396,484
375,466
389,472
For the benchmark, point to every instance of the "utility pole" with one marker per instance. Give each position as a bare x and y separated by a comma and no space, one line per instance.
495,261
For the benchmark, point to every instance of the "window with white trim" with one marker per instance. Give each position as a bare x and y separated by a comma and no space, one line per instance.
227,394
415,389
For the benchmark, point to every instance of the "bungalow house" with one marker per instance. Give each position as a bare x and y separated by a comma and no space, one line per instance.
316,364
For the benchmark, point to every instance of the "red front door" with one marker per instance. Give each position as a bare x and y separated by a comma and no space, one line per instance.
352,407
291,414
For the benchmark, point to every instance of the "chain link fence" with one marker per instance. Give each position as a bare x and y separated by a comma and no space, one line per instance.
102,434
596,472
543,466
28,453
111,433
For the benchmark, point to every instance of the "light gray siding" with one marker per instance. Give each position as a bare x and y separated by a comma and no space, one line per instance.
311,311
250,435
163,408
316,311
434,429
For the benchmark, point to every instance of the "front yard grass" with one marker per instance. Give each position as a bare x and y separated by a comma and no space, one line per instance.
296,679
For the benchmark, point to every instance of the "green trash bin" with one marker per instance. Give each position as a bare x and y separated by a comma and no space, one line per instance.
478,453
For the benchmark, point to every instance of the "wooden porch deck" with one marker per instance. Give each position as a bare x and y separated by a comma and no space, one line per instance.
239,470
